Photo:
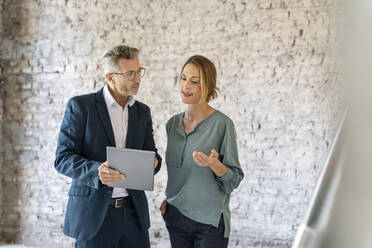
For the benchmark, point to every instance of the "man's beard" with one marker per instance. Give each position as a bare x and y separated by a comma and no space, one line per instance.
130,91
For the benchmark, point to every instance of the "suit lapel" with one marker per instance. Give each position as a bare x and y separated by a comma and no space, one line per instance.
104,116
132,125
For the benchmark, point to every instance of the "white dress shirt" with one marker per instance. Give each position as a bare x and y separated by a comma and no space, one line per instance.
119,122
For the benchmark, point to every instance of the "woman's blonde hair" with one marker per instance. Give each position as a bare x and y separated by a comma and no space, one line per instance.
208,76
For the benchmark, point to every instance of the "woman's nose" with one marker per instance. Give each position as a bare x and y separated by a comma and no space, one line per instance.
187,84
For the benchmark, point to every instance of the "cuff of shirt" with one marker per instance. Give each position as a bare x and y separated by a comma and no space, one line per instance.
227,177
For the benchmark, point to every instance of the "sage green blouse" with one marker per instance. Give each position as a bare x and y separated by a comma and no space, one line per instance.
195,190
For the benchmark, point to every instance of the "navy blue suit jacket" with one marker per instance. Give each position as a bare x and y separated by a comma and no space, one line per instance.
85,133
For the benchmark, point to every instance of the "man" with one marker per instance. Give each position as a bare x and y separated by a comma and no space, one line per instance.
98,215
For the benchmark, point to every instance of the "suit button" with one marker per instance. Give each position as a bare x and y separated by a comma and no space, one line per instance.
90,184
109,192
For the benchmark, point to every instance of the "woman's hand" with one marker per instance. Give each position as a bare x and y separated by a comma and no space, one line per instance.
211,161
203,160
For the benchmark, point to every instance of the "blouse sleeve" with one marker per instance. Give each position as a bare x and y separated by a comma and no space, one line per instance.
229,157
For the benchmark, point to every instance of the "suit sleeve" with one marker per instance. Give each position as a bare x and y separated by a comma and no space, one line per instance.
149,144
69,160
229,157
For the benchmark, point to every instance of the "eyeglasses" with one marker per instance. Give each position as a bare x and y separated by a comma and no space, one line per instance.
131,75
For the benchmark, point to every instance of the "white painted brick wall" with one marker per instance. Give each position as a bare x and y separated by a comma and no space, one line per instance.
276,73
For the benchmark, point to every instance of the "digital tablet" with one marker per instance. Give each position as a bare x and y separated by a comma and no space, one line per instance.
136,165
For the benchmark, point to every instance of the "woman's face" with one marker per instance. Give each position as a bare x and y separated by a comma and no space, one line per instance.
190,86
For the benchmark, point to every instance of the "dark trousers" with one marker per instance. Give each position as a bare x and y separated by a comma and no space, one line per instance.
186,233
120,229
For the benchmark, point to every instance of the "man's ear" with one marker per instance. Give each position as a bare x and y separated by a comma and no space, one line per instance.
108,77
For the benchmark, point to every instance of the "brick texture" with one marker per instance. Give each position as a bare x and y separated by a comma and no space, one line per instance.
278,81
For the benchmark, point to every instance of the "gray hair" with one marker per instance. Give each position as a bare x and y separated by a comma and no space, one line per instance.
111,58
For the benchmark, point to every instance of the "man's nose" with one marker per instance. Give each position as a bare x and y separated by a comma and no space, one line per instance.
137,78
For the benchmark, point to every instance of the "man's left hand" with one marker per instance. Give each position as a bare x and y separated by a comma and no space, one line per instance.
156,163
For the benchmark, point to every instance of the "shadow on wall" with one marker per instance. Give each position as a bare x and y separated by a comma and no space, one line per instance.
17,157
1,106
16,154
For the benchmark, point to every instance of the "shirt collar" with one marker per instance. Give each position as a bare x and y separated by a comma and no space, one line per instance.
110,101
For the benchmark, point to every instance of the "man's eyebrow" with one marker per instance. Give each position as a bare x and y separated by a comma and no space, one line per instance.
135,70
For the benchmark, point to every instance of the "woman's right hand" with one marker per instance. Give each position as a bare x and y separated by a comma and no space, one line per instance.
163,206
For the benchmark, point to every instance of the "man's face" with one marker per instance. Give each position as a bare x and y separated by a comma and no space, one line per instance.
126,85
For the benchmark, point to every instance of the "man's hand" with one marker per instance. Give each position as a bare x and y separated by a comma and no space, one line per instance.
156,163
163,206
109,176
203,160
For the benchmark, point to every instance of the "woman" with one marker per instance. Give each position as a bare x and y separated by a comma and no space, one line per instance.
202,163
